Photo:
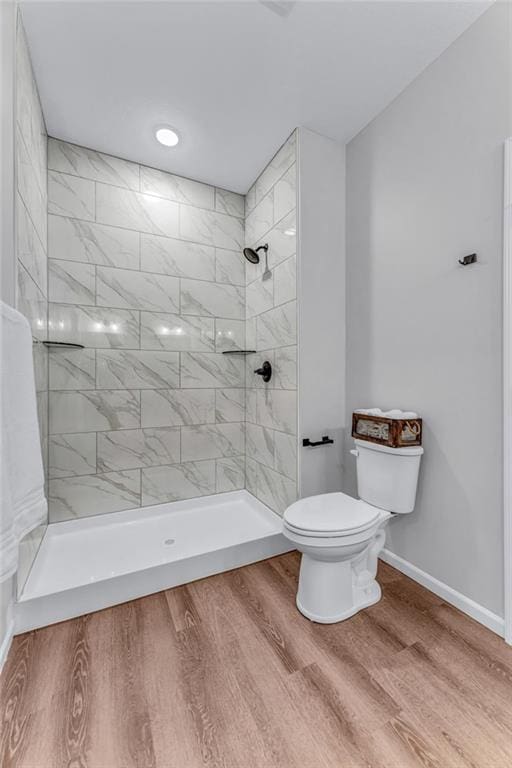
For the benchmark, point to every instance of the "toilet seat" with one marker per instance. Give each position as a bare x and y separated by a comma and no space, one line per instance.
330,515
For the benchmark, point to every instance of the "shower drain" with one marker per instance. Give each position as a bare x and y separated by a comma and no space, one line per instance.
168,542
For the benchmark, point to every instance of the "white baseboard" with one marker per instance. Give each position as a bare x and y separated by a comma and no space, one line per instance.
489,619
6,643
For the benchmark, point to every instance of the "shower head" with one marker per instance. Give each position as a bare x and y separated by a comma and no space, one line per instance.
251,254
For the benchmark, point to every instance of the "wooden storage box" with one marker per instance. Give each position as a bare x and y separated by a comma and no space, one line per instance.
395,433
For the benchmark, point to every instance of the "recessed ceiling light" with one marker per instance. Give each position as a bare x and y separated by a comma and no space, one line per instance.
167,136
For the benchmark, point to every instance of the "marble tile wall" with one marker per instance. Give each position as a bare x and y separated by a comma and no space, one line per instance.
271,329
31,248
146,271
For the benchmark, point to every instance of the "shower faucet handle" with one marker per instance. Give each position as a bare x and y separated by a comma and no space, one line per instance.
265,371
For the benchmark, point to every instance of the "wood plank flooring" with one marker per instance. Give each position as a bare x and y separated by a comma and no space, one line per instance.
225,673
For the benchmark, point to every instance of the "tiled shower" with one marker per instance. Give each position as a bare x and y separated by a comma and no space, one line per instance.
146,271
271,329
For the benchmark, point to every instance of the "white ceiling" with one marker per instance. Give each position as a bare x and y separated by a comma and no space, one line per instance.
235,78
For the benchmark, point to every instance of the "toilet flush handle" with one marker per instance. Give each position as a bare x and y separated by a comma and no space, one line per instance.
354,452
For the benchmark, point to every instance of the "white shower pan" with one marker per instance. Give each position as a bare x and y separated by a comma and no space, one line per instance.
95,562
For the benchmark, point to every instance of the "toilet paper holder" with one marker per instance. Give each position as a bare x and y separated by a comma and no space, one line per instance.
326,440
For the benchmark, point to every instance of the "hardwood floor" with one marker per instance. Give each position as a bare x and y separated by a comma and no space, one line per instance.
225,672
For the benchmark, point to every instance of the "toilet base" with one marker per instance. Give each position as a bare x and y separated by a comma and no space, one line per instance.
336,582
372,595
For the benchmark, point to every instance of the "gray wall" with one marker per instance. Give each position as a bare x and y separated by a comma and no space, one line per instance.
424,188
271,311
321,304
145,271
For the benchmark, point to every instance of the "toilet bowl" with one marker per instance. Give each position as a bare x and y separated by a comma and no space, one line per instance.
340,537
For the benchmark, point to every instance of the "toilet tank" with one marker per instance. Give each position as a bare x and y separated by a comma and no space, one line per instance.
388,477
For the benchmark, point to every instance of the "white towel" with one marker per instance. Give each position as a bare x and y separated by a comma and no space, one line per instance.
395,413
23,503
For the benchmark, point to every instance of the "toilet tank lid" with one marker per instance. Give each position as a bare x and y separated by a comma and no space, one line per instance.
412,450
331,512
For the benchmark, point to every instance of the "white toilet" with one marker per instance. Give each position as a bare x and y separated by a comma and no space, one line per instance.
340,537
